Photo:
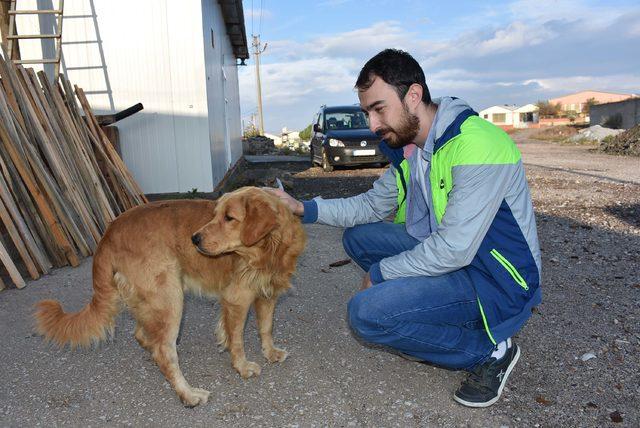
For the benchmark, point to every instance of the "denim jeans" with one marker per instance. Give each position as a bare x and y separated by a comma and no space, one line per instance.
435,319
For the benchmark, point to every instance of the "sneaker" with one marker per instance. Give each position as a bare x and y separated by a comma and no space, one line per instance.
485,382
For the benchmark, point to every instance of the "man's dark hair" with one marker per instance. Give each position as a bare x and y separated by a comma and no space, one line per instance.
398,69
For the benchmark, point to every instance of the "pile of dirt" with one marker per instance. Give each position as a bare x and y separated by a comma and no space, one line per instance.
624,143
259,145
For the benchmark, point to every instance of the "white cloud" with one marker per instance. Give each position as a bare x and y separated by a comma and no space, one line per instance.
363,42
613,82
541,11
544,49
287,83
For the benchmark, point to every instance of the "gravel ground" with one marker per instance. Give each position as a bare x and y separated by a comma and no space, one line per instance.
588,212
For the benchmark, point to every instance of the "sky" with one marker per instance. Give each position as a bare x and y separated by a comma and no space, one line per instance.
487,53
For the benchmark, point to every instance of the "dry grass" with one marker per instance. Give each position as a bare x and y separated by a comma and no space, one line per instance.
555,133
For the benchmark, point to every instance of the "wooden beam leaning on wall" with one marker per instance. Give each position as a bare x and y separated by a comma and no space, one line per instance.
61,180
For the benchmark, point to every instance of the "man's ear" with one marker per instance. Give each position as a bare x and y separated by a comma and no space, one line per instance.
414,95
259,220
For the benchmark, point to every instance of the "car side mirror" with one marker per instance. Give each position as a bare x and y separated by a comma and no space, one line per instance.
316,128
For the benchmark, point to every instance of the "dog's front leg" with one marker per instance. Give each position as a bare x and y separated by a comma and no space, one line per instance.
234,313
264,315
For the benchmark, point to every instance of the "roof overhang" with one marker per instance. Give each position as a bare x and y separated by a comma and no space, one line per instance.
233,15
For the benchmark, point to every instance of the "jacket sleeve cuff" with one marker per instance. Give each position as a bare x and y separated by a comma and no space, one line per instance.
310,211
375,274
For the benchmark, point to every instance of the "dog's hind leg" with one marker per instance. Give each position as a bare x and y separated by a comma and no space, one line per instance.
141,337
264,316
158,326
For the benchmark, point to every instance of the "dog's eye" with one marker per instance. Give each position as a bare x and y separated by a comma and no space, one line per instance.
227,218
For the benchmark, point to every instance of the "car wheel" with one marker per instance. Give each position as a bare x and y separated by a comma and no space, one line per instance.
326,166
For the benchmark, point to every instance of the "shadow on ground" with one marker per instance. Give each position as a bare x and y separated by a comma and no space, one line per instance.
591,306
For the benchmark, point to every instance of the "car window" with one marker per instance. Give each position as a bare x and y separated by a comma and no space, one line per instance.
346,120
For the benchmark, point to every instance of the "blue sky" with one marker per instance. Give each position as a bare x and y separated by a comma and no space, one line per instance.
498,52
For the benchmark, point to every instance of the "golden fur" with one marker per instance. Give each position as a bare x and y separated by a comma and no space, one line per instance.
247,245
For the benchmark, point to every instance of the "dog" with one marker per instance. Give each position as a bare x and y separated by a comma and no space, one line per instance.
241,249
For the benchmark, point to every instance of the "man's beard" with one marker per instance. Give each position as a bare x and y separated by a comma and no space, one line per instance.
404,133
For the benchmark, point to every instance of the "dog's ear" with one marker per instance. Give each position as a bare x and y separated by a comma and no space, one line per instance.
259,220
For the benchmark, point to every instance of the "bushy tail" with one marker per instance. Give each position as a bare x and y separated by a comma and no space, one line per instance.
92,323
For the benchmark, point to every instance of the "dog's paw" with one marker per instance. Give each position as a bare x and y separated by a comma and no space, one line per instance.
248,369
194,396
275,355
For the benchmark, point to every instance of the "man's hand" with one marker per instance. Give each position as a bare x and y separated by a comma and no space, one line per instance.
366,282
295,205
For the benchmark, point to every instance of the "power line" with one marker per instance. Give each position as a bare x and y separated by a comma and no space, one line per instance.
260,27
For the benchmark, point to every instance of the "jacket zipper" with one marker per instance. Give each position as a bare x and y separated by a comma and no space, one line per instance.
510,268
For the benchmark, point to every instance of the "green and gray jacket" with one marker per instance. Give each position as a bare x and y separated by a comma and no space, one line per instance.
480,216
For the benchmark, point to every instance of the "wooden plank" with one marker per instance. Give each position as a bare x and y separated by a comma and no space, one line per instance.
59,162
31,239
17,241
66,212
81,129
94,194
29,212
11,267
136,193
36,251
49,217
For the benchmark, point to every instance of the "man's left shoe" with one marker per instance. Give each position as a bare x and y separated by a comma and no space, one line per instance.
485,382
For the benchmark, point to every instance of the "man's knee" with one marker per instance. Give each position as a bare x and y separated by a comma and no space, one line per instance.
364,318
349,238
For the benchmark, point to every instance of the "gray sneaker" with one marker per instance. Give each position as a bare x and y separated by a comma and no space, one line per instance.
485,382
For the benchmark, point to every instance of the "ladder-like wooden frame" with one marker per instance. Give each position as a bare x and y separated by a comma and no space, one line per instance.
13,37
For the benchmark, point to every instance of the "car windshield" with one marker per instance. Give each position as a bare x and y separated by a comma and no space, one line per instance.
346,120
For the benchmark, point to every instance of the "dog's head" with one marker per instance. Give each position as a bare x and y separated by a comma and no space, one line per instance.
241,219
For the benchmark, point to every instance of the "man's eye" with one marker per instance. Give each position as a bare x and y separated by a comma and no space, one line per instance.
227,218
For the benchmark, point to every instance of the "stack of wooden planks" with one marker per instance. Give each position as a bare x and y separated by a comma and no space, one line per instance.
61,180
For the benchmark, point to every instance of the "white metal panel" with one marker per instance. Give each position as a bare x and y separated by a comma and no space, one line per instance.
122,52
222,91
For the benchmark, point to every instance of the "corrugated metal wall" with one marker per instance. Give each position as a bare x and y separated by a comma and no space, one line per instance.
222,89
151,51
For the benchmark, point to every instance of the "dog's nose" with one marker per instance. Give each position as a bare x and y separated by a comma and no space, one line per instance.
196,238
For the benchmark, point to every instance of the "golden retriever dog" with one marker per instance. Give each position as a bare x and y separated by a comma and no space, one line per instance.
241,249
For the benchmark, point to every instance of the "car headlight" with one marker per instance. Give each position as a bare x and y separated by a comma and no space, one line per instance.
335,143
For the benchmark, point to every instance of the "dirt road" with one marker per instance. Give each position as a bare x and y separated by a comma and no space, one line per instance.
588,213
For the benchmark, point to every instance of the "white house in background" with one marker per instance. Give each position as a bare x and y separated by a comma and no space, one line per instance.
178,58
511,116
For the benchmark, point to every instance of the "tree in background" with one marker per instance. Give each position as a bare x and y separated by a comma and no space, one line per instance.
586,107
250,131
546,109
305,134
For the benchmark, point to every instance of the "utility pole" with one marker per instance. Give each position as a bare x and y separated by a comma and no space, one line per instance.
257,52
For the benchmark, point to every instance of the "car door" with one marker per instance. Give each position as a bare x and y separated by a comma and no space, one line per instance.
318,137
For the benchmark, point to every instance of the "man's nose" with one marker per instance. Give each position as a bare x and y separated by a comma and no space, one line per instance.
196,238
374,124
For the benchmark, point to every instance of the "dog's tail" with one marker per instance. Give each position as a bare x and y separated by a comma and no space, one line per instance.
93,322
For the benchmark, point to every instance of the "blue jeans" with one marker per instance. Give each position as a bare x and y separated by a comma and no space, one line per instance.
433,318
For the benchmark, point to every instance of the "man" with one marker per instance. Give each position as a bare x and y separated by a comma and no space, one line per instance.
456,280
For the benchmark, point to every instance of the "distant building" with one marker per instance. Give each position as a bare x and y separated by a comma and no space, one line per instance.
621,115
511,116
576,102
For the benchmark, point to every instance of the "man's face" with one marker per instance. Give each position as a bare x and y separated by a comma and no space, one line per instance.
389,117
